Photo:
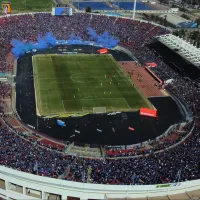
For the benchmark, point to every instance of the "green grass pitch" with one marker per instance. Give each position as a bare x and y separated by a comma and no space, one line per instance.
78,83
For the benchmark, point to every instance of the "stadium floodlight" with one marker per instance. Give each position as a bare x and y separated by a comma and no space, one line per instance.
134,8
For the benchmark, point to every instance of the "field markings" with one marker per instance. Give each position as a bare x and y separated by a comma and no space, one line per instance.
132,82
81,77
101,79
100,99
120,82
96,57
127,103
119,98
92,99
82,109
63,106
38,88
85,108
90,96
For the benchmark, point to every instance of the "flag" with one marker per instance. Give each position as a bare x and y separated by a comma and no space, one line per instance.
54,165
178,175
133,179
35,168
83,176
60,123
131,129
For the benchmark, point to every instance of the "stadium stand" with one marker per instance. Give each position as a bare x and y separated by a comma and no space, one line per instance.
93,5
22,154
129,6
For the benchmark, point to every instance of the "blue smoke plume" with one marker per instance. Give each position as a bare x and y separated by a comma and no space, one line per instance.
104,39
43,42
50,39
92,34
73,39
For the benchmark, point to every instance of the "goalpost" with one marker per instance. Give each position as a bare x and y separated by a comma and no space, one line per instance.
97,110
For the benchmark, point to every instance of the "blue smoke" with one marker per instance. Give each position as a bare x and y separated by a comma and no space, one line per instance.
92,34
43,42
50,39
104,39
73,39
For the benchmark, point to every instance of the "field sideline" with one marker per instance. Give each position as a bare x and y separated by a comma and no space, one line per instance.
82,83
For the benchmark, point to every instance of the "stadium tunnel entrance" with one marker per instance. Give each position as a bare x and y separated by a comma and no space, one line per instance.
114,127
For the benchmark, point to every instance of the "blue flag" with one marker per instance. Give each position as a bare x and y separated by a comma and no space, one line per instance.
60,123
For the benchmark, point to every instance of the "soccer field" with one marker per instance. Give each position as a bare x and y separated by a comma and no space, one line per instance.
81,83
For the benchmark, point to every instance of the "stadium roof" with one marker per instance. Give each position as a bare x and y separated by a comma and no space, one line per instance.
183,48
174,19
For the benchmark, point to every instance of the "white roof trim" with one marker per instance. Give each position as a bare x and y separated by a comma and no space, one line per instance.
185,49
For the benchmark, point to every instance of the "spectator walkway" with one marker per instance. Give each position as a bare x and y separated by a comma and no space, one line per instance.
14,123
143,80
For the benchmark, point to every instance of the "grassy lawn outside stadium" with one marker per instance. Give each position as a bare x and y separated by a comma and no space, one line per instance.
30,5
80,83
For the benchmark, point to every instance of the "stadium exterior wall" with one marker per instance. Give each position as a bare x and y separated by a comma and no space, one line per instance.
85,190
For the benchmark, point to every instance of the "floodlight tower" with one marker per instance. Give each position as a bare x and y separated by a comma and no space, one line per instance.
134,8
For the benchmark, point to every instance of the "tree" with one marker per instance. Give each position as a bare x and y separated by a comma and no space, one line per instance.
175,32
165,20
185,16
194,2
198,21
182,32
146,16
183,9
157,18
174,6
88,9
198,44
152,17
195,35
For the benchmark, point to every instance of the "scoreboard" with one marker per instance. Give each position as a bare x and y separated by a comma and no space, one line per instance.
62,11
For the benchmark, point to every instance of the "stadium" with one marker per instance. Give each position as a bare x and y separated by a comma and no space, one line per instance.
97,107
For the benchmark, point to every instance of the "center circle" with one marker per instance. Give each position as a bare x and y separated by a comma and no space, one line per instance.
82,77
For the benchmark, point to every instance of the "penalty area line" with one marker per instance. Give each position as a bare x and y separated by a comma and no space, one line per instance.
63,106
126,103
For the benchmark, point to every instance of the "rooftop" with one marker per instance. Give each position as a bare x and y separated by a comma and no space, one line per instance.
183,48
174,19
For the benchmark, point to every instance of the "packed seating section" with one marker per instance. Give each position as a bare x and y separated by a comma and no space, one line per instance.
129,6
112,6
93,5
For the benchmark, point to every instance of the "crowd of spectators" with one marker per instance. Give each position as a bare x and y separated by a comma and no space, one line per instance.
20,154
168,140
5,92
